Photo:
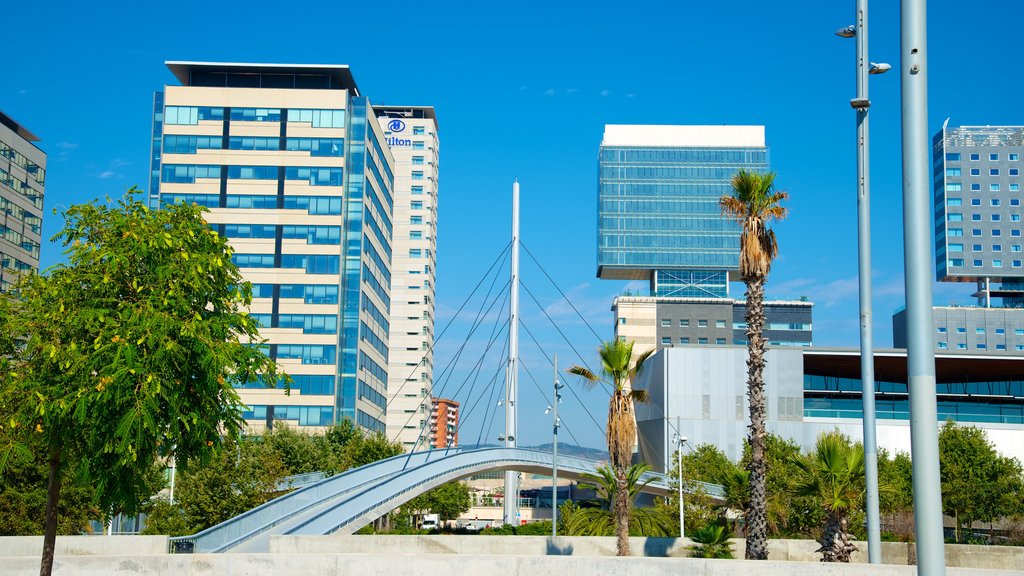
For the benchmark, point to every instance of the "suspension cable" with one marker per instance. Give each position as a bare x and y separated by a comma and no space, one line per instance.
566,298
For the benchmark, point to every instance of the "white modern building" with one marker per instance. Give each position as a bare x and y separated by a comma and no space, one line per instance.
411,133
701,391
297,174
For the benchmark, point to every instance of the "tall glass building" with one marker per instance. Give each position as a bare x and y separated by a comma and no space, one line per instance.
297,174
658,213
978,239
22,178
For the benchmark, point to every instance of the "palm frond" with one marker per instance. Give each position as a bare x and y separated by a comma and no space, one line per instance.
639,395
589,378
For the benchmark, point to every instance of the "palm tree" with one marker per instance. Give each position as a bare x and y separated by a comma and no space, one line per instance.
619,369
712,541
595,518
834,474
755,202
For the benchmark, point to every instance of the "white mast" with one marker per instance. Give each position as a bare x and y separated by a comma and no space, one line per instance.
512,372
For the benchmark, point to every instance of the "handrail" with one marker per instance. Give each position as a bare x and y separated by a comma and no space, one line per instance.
347,497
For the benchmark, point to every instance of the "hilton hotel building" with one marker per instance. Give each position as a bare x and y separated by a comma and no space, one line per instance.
296,172
411,134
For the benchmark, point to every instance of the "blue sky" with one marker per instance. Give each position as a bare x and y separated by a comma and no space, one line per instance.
524,90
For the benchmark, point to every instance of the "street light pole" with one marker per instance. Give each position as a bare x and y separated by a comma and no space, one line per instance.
867,357
679,440
924,441
554,450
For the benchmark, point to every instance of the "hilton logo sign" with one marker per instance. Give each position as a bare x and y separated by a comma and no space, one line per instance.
397,125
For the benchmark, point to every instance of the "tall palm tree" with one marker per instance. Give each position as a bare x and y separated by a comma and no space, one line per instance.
834,475
596,517
755,202
619,369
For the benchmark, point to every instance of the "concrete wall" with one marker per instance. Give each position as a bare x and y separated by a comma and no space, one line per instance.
388,565
959,555
85,545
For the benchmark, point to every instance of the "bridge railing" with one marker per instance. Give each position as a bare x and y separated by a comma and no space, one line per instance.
217,538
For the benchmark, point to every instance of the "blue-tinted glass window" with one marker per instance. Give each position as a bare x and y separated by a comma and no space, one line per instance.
254,143
315,176
314,204
256,114
317,146
311,293
418,131
253,201
187,174
249,231
314,234
318,118
252,172
253,260
312,263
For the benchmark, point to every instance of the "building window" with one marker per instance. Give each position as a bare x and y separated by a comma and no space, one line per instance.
993,157
622,320
976,232
417,175
975,247
418,131
416,205
665,322
956,262
1014,232
684,340
978,263
1014,217
975,157
702,340
1000,331
417,144
954,202
942,329
417,190
684,323
719,323
1014,187
416,220
993,171
1000,346
994,187
416,253
975,187
1016,263
979,330
952,156
975,217
997,217
702,323
995,201
975,172
982,347
1014,157
719,340
417,160
957,247
955,217
997,231
997,263
956,232
666,341
1015,248
943,345
952,172
416,235
961,346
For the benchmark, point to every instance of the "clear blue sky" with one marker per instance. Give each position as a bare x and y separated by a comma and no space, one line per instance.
523,90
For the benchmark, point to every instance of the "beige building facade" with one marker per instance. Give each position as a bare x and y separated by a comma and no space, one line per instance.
22,181
297,174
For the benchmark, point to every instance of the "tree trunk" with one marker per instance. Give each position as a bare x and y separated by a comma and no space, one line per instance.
835,540
621,512
757,512
52,497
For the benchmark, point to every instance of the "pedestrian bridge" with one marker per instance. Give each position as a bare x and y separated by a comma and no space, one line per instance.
346,502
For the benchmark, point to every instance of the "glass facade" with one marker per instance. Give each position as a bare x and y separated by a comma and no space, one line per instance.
1000,402
659,216
322,280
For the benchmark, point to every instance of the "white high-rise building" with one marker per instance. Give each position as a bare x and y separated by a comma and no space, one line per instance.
411,133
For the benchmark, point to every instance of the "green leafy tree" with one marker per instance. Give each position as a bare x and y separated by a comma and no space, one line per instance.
596,518
790,514
619,369
896,494
977,483
448,501
755,202
834,476
135,344
705,463
23,499
712,541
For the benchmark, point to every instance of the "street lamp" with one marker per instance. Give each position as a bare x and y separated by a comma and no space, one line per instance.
679,440
867,359
556,422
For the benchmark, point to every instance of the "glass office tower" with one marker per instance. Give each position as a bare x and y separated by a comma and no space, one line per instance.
658,214
22,178
296,173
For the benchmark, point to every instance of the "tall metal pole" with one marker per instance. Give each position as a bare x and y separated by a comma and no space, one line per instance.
924,441
512,373
867,351
679,463
556,397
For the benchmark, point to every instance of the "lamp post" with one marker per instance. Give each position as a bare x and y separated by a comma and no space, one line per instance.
679,440
555,424
867,358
